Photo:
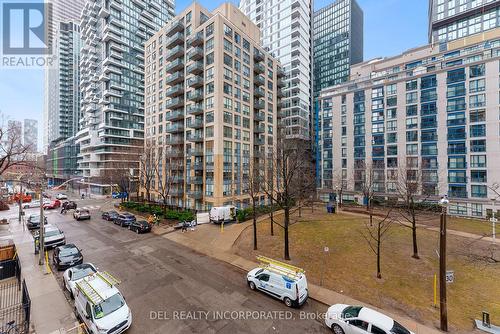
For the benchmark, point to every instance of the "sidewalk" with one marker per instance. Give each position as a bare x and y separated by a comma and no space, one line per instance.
209,240
50,311
432,228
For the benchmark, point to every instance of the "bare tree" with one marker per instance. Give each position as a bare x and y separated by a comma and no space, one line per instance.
252,184
376,235
147,168
12,150
287,178
340,184
164,177
368,187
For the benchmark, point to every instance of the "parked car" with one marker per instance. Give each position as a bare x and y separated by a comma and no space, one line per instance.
349,319
101,306
222,214
74,274
69,205
52,205
34,204
45,195
33,222
66,256
140,226
124,219
61,196
109,215
80,214
119,195
53,236
279,280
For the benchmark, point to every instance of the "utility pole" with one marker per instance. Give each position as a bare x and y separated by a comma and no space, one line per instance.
41,234
21,203
443,308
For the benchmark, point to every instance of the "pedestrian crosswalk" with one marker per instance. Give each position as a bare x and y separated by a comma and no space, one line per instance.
91,207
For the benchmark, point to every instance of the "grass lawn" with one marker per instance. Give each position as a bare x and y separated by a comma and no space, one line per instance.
406,286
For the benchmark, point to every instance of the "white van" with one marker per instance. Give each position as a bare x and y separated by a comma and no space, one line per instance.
100,305
222,214
280,280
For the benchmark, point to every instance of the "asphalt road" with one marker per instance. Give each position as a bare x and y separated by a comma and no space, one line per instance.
172,289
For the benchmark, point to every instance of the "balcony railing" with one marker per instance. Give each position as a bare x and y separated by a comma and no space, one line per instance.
259,80
195,53
176,52
196,39
174,115
196,67
174,103
175,128
259,92
195,81
174,78
195,137
195,95
174,90
259,104
259,68
195,109
175,65
177,38
195,124
258,116
176,26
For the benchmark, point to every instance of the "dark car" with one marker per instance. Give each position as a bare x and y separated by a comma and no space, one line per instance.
69,205
33,222
140,226
66,256
109,215
124,219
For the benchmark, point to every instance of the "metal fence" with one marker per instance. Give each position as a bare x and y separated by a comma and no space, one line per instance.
15,302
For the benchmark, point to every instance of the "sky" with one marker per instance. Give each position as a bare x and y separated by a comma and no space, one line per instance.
390,27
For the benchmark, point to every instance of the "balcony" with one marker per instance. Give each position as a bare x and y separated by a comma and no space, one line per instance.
197,137
174,78
280,93
103,12
259,92
281,83
196,39
174,115
259,80
176,26
195,109
175,90
175,65
174,154
174,103
177,140
175,128
198,166
196,123
176,39
176,52
176,192
259,68
259,129
280,73
196,153
259,104
177,166
258,55
259,116
195,68
196,194
177,180
258,141
195,53
196,180
195,81
195,95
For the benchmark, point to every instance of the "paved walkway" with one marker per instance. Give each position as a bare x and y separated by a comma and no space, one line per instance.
209,240
50,311
433,228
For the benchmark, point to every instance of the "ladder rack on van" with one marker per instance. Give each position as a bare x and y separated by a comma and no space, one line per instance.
108,278
93,296
281,268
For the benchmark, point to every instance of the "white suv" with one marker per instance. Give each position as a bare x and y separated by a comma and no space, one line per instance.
280,280
348,319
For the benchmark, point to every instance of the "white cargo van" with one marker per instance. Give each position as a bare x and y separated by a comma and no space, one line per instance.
100,305
222,214
280,280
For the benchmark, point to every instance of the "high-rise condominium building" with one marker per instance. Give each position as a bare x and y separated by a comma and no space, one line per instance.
429,116
30,134
62,11
62,92
112,84
337,44
212,100
286,32
453,19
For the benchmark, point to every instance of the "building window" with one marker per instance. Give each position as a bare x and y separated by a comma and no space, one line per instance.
480,191
476,71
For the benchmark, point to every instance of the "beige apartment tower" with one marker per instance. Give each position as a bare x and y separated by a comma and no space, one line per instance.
211,114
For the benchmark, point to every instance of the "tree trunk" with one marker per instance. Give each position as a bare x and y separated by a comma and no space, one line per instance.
286,223
272,221
379,275
254,226
414,237
300,210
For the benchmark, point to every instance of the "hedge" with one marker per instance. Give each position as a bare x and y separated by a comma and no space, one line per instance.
159,211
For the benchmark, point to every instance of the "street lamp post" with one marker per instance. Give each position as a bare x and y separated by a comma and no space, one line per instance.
442,264
494,220
337,199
